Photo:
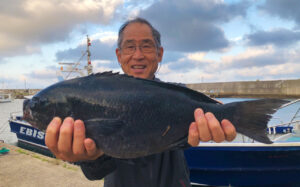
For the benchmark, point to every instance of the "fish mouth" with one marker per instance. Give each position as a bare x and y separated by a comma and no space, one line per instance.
27,113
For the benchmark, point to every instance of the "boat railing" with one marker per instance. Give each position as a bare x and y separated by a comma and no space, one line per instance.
282,127
272,129
15,115
5,97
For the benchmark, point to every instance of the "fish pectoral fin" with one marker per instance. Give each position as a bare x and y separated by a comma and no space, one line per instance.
103,126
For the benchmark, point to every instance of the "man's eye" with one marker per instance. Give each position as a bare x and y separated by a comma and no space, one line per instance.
130,47
146,46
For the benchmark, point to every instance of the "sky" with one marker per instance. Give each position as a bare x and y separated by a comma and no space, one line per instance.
203,40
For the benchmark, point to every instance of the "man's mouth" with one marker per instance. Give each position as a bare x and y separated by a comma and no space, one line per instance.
138,67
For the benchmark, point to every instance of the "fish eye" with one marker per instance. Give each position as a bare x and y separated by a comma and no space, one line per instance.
36,101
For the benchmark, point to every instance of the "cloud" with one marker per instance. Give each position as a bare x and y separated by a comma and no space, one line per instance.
25,24
256,57
99,51
288,10
263,63
39,78
190,26
278,37
106,65
270,72
190,61
171,56
47,73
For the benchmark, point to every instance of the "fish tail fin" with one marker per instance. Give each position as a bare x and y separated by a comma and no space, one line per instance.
251,117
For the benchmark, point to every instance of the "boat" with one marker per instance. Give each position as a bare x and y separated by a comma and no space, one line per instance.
5,97
29,138
249,163
32,138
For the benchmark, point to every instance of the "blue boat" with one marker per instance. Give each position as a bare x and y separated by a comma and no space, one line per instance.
247,163
26,133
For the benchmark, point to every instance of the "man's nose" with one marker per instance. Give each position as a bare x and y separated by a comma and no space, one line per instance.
138,53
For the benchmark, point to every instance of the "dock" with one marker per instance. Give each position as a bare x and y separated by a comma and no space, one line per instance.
22,168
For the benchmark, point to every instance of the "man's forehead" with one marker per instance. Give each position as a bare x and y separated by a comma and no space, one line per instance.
137,31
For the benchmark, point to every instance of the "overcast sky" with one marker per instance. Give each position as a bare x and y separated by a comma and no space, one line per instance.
204,40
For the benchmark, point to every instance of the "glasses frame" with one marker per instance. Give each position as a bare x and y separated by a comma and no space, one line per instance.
126,48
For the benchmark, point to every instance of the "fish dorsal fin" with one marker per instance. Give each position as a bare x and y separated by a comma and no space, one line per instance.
198,96
105,73
195,95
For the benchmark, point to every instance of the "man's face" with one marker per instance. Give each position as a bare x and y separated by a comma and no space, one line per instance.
139,63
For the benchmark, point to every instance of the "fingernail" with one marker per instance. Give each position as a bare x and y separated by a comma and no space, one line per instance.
193,127
209,115
56,120
77,126
89,145
199,112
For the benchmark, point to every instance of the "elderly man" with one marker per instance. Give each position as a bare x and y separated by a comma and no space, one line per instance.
139,52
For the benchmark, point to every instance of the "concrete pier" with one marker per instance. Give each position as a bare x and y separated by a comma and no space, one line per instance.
22,168
266,89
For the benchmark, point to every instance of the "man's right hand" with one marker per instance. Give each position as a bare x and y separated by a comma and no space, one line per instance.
67,141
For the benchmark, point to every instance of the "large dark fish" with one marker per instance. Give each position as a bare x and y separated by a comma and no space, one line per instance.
131,117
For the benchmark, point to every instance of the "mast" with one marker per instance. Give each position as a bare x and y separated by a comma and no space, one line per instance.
89,66
73,68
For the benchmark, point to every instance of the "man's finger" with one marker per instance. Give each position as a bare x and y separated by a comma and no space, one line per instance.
204,132
90,146
215,128
229,130
193,138
78,138
66,136
52,133
92,151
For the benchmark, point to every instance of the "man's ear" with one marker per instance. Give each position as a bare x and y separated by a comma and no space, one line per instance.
118,54
160,54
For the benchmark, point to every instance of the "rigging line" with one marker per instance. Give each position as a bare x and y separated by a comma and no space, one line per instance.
76,64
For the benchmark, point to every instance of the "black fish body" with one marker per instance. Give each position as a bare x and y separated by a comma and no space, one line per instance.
130,117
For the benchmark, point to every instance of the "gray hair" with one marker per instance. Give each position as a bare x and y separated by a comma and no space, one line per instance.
155,33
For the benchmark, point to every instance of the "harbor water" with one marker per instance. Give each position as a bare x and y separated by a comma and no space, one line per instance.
283,115
6,109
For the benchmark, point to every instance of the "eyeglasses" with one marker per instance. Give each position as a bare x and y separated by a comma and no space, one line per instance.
130,49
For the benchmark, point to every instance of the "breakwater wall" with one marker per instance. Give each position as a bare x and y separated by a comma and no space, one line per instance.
20,93
263,89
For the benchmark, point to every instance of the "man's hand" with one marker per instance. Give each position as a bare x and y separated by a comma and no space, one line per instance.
206,127
67,141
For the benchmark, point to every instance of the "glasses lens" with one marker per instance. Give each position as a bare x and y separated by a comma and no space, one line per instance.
128,49
144,47
147,48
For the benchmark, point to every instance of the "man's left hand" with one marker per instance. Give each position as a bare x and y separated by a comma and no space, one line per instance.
206,128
